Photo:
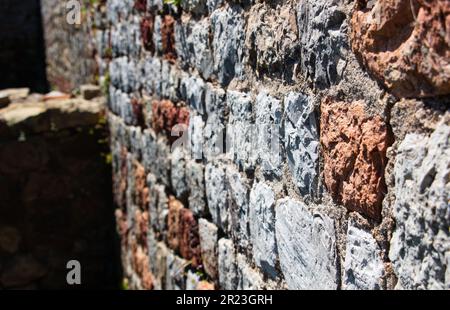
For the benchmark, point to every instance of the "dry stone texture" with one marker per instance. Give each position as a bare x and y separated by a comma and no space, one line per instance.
363,265
405,44
307,247
354,146
420,244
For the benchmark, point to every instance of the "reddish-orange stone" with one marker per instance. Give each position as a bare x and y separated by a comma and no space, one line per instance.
190,241
405,44
354,148
173,223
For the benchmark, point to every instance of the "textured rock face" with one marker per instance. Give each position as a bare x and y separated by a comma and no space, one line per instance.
405,44
175,272
354,147
165,115
239,190
216,194
147,26
363,265
194,6
240,130
174,223
421,242
268,131
189,238
195,178
208,243
249,279
227,42
168,38
321,29
227,264
262,227
306,246
272,39
302,142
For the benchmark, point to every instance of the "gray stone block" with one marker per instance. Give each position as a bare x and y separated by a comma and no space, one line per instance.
183,43
175,276
155,5
215,101
217,194
193,91
196,181
248,278
262,228
363,266
302,143
213,4
208,233
421,240
195,132
241,142
227,26
322,31
157,38
238,193
202,48
152,75
306,247
178,172
227,265
158,206
268,132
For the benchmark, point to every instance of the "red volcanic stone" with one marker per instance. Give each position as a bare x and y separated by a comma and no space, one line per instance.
140,5
173,223
141,190
122,227
165,115
405,44
189,241
142,267
138,111
142,223
168,38
354,149
183,116
147,26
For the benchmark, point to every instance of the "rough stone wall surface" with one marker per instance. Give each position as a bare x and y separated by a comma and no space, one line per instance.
69,47
313,140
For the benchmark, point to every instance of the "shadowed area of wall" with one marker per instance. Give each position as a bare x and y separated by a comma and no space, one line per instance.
55,195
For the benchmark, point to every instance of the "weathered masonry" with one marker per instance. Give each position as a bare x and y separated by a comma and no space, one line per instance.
356,94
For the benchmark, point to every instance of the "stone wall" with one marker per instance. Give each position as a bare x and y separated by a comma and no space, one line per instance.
55,194
22,54
70,52
335,117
